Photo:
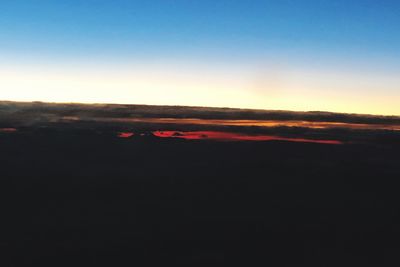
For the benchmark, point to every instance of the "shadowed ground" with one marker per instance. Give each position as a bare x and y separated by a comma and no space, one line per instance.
77,194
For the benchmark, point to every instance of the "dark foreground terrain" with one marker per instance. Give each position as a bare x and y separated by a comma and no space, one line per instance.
78,196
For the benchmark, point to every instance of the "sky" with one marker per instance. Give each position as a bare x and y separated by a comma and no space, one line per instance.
340,56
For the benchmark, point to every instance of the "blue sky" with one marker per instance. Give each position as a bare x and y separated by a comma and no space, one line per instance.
300,42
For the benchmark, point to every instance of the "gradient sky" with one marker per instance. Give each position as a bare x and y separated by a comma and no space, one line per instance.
325,55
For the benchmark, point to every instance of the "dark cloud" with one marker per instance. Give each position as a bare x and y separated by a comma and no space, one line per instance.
113,119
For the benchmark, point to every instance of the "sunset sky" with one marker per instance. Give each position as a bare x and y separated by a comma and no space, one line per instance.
340,56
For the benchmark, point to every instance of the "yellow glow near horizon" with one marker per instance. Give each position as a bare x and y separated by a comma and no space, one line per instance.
204,86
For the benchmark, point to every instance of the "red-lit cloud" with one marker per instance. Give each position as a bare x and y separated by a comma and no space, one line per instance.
228,136
7,130
125,134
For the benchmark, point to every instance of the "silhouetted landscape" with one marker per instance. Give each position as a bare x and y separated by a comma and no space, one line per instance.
135,185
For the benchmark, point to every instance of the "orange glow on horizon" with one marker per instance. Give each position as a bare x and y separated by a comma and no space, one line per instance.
259,123
209,85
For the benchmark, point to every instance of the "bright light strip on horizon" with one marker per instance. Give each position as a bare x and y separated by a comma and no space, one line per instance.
199,85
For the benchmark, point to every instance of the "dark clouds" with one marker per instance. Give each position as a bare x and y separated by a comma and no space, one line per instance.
103,118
